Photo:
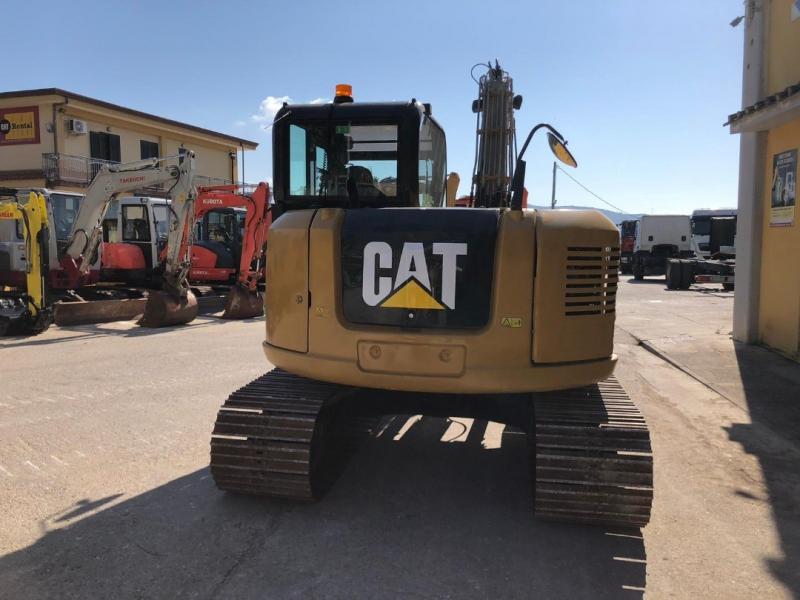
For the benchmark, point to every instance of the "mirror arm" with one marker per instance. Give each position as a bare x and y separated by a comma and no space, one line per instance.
518,182
517,185
534,130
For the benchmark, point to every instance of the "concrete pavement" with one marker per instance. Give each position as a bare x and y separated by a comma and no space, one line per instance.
104,487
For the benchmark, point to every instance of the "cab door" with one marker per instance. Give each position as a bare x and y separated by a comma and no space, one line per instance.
137,230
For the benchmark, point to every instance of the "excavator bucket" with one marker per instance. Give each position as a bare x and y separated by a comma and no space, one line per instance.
163,309
243,304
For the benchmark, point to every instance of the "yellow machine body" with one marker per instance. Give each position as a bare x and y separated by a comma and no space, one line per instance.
33,215
550,325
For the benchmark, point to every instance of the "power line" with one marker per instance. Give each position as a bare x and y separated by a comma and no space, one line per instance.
617,208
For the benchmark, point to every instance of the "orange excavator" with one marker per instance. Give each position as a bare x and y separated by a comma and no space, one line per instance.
224,244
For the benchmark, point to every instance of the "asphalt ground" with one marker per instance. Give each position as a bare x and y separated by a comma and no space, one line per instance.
105,490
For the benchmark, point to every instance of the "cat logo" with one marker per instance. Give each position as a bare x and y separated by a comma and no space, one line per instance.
411,285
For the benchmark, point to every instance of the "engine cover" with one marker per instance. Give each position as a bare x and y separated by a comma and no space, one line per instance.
416,268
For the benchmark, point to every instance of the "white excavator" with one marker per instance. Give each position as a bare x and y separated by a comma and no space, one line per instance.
175,303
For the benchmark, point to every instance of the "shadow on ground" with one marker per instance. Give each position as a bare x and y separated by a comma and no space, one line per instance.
410,517
126,329
772,391
660,280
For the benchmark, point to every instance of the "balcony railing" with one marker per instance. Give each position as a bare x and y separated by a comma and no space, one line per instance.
67,168
78,171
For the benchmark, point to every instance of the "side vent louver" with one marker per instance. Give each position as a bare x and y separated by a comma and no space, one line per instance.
591,284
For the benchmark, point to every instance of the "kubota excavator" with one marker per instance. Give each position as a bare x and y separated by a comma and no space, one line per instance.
215,261
380,301
27,312
174,304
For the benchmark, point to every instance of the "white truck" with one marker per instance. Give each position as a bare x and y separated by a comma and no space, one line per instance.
701,228
659,238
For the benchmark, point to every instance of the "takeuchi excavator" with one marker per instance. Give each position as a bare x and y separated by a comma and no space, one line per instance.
381,301
175,303
217,260
26,311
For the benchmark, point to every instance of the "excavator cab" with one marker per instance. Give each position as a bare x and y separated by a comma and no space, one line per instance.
358,155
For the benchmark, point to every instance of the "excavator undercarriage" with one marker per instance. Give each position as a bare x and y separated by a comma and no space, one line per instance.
287,436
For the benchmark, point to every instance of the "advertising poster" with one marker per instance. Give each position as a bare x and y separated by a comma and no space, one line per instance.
784,188
19,125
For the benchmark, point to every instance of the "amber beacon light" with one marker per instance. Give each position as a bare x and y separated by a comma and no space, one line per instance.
344,93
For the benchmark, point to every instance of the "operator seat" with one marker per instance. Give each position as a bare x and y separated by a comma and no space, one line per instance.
364,183
141,231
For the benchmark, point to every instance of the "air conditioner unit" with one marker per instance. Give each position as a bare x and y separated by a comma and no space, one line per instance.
77,127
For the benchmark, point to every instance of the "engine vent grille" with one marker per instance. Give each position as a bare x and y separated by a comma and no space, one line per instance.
591,280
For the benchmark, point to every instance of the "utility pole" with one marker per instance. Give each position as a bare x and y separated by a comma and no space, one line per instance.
553,194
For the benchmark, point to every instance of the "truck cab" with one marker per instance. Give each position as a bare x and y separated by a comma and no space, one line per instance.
701,228
627,235
659,238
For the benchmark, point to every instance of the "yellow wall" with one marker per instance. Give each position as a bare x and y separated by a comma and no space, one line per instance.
783,50
779,320
78,145
779,314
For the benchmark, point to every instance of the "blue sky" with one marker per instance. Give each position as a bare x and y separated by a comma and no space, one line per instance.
640,88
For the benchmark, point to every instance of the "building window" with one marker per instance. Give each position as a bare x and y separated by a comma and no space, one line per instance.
104,146
148,149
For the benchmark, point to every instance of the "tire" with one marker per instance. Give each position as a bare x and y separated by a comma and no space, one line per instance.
674,274
638,272
686,274
728,287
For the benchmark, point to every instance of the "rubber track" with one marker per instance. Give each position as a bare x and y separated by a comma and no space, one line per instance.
264,441
593,461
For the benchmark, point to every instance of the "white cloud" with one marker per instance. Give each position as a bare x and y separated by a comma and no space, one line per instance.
240,123
271,105
268,107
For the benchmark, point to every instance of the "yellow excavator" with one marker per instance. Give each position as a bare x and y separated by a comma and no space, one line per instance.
380,300
26,311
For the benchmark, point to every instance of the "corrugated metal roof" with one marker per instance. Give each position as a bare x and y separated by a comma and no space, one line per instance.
764,103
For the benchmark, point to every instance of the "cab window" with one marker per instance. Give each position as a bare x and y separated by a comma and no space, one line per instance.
333,160
65,210
222,227
111,223
432,164
135,226
161,220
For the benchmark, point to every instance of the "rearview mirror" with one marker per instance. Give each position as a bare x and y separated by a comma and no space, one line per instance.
559,150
